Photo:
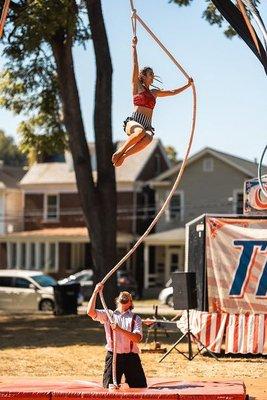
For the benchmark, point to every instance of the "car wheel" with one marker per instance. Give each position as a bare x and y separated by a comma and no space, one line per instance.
169,300
46,305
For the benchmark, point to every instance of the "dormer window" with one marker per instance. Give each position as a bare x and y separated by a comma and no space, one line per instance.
51,207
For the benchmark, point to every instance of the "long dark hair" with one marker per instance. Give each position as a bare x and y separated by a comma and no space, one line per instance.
144,71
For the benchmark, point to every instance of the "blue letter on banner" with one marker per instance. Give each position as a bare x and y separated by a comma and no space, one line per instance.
245,259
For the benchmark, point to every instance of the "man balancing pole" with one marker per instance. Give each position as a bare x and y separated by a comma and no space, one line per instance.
128,330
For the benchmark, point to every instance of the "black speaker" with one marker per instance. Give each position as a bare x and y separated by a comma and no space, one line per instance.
196,256
184,290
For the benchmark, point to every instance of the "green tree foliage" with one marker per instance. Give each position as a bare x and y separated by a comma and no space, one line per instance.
29,82
171,154
9,151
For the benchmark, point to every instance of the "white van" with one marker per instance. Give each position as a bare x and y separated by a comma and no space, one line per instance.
22,290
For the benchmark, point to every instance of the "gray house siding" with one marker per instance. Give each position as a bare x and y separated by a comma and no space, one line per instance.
202,192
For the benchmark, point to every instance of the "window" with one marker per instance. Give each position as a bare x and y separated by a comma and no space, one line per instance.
13,255
175,209
44,280
51,207
84,277
157,164
174,262
208,164
238,202
77,256
145,205
23,255
5,281
175,206
22,283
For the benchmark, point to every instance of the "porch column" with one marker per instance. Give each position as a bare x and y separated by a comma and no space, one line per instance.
167,264
146,266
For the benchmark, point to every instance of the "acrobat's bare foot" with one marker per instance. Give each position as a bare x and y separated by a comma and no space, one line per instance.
119,161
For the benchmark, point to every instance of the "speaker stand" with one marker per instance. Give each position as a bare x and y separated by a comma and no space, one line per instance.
189,336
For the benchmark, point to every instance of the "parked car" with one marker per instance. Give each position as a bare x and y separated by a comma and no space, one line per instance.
85,279
22,290
126,281
166,294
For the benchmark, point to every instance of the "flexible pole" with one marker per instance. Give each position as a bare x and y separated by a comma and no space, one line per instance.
153,223
264,191
175,185
145,26
162,46
4,16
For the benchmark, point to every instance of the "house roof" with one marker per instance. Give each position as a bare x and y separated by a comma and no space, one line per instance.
62,173
133,166
249,168
10,176
171,237
76,234
48,173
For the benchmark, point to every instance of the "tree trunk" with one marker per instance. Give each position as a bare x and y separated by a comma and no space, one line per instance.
98,200
106,182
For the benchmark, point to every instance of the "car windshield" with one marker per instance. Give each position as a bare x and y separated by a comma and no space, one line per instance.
44,280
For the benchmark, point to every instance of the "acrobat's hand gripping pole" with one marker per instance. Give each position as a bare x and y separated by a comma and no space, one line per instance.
149,31
173,190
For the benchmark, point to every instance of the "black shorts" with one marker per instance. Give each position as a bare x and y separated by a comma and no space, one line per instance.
128,364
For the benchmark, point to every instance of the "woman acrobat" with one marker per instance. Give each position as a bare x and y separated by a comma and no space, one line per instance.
138,126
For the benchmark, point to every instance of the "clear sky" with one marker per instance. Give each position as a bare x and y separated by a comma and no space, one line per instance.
231,83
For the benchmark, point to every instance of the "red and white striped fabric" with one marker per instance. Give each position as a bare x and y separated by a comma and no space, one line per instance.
246,333
212,330
209,328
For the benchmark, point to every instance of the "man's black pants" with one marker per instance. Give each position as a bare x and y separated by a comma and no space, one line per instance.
128,364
